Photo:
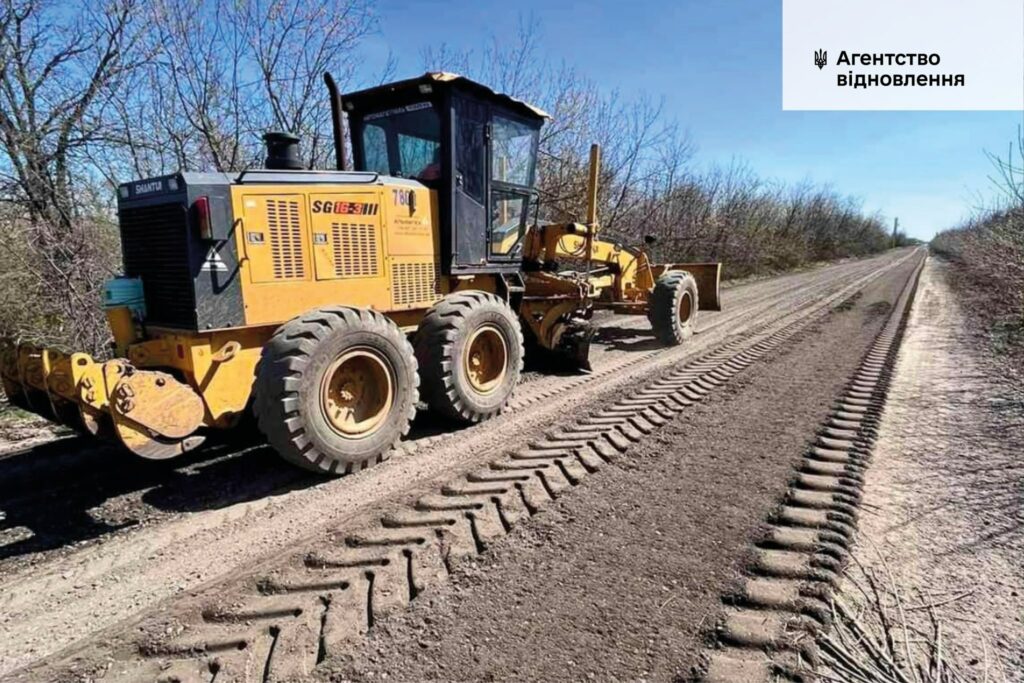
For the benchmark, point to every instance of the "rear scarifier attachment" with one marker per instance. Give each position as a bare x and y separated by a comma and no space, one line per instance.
30,369
336,389
10,376
153,414
470,351
673,307
60,386
90,394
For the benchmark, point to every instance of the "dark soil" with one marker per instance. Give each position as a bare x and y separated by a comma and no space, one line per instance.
621,579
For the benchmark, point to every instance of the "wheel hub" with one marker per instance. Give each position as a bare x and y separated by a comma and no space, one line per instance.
357,393
685,308
485,359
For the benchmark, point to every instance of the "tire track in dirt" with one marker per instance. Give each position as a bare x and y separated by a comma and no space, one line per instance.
615,581
48,607
767,632
278,623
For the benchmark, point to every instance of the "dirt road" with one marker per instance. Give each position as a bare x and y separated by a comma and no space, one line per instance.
623,579
93,542
944,497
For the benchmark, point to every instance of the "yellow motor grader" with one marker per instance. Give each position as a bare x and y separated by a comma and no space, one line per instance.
330,302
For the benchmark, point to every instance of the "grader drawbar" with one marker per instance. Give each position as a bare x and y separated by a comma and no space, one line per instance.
331,304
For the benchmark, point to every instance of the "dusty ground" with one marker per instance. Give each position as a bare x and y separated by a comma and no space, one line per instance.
20,430
90,537
944,498
621,579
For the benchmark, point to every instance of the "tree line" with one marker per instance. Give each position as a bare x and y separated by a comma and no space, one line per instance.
987,254
93,93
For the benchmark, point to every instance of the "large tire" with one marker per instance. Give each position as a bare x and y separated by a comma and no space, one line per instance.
672,308
335,389
470,352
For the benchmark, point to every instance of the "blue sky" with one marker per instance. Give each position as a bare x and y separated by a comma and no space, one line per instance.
717,65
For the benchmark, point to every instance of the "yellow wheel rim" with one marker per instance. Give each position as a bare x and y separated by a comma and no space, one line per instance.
357,393
485,359
685,308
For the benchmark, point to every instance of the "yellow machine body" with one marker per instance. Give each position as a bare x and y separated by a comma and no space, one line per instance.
301,248
222,262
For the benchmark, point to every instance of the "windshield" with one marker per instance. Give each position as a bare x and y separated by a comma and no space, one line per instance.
404,142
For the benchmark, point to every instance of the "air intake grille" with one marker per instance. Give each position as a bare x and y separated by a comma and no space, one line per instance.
285,229
154,242
355,250
413,283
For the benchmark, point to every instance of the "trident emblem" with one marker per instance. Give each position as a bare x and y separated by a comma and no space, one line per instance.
820,59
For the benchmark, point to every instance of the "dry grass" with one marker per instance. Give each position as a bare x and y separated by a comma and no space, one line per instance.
885,632
988,256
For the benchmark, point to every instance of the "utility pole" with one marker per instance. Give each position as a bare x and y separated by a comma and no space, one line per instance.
895,227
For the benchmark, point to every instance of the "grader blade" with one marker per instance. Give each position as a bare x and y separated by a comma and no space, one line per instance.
708,277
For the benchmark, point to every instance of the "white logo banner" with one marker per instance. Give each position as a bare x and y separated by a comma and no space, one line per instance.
902,55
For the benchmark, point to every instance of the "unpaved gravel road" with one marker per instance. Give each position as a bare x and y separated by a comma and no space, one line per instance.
622,578
90,538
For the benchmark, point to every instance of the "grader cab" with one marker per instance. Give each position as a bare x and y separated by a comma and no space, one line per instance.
329,303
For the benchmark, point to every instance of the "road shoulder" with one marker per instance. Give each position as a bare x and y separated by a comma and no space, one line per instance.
943,518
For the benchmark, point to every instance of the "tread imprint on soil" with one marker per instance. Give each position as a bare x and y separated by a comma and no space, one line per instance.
768,627
533,393
280,623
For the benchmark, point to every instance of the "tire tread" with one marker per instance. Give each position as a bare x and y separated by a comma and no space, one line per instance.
279,375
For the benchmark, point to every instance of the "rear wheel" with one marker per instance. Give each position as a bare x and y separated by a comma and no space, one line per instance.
335,389
672,309
469,347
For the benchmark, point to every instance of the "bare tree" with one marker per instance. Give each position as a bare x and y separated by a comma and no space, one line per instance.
92,94
61,68
230,71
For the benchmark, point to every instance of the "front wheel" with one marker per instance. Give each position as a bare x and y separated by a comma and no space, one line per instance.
335,389
672,308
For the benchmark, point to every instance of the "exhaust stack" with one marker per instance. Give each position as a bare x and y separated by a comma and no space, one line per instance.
336,124
282,152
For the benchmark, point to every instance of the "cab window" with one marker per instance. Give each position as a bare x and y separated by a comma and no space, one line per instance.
514,152
404,142
513,160
508,222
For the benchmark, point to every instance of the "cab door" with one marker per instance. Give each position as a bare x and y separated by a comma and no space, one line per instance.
469,248
513,155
